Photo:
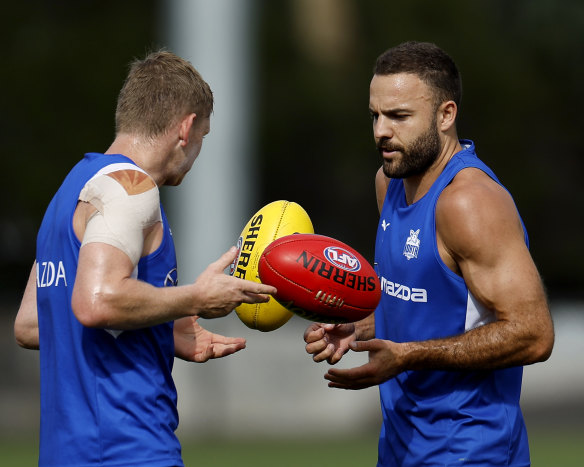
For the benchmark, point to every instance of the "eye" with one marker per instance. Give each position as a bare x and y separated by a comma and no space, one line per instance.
373,115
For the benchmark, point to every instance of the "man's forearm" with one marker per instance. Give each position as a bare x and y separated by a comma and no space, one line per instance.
365,329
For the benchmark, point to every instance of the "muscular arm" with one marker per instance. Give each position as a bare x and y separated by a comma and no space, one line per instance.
105,294
26,326
481,238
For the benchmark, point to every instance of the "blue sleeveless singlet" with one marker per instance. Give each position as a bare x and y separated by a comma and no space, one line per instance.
107,398
436,418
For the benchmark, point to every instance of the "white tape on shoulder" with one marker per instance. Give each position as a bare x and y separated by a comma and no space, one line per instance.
121,218
116,167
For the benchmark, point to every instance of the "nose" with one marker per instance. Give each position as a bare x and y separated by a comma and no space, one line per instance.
382,128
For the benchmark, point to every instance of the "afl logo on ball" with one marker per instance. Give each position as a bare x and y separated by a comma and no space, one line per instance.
342,258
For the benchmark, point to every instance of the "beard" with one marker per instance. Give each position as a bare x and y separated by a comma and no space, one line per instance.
417,157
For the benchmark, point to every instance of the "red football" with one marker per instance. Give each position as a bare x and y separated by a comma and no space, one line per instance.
320,278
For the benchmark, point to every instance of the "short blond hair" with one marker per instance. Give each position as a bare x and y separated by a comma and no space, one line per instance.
160,90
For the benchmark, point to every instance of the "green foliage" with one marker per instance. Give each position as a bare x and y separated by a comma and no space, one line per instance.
63,64
522,64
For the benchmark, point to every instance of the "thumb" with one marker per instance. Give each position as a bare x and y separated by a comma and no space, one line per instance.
226,259
206,355
361,346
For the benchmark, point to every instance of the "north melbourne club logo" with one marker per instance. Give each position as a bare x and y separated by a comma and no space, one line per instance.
412,246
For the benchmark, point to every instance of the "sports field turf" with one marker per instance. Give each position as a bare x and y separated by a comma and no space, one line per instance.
558,448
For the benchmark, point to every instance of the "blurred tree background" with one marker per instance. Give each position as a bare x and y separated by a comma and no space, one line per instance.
522,64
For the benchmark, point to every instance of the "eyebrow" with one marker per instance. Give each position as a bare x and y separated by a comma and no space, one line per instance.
392,111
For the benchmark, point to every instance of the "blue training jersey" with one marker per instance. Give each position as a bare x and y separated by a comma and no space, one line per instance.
433,418
107,397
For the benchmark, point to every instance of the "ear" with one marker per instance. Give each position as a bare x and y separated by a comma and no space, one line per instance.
184,129
447,115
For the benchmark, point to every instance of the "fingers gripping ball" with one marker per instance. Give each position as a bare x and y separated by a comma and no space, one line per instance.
275,220
320,278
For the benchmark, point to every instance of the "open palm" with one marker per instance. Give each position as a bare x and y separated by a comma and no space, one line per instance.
194,343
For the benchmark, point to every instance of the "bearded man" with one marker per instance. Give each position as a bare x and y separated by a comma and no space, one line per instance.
463,307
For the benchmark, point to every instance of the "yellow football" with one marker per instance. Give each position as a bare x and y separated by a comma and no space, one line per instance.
273,221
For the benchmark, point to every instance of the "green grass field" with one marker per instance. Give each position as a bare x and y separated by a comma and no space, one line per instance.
548,449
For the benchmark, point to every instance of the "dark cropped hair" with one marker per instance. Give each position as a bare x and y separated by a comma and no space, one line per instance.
429,62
